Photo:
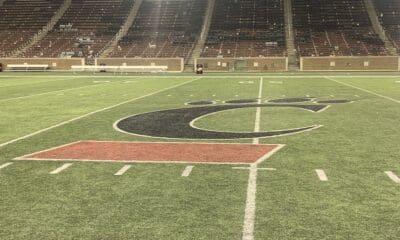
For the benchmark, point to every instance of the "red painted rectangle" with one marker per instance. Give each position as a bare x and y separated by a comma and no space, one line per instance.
157,152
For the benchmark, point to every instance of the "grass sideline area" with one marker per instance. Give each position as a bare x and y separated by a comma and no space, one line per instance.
358,142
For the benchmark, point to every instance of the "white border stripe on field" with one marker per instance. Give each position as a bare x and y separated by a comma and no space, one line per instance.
364,90
94,112
5,165
62,168
250,210
321,175
187,171
61,90
123,170
34,83
258,112
393,176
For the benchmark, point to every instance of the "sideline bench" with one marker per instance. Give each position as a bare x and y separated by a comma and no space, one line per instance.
27,67
116,69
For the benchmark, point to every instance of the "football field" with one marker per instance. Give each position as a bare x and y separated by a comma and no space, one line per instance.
214,156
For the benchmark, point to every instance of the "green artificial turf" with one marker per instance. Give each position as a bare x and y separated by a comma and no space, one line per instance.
356,144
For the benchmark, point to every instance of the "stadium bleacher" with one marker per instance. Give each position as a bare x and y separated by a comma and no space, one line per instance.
248,28
389,14
83,30
20,20
334,28
233,29
163,29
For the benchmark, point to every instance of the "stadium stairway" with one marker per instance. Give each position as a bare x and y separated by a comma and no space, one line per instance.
45,30
201,39
289,35
376,24
107,49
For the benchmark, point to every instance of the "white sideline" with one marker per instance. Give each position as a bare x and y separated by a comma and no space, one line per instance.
123,170
250,210
94,112
247,168
321,175
187,171
33,83
210,76
62,168
393,176
5,165
364,90
39,94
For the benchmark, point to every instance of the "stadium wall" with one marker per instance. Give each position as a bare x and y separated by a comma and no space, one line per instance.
367,63
173,64
273,64
55,64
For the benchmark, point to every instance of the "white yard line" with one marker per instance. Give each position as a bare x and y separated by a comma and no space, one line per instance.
187,171
364,90
62,168
94,112
250,210
321,175
39,94
258,112
393,176
247,168
5,165
123,170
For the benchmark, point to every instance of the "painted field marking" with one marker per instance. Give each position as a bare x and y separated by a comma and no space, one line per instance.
5,165
106,81
364,90
40,94
258,112
321,175
187,171
276,82
123,170
94,112
62,168
247,168
34,83
393,176
250,210
213,77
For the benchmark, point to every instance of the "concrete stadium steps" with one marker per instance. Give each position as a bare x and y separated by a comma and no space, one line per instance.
123,31
41,34
378,27
203,35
